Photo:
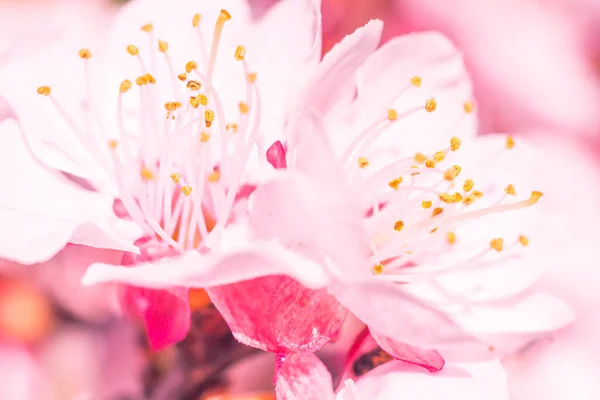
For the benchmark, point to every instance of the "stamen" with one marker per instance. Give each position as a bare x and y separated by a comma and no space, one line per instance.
194,85
186,190
190,66
251,78
510,189
223,17
439,156
430,105
469,107
182,77
85,54
240,53
44,90
146,174
451,238
392,114
175,177
378,269
163,46
468,185
125,86
523,240
416,81
395,182
363,162
510,142
430,164
426,204
398,226
420,158
133,50
455,143
497,244
243,108
148,27
196,20
437,211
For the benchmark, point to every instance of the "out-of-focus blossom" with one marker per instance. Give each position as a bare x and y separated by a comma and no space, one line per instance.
180,179
20,375
511,49
303,376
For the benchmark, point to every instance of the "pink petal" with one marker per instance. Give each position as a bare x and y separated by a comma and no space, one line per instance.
276,155
304,319
428,359
303,376
388,310
166,314
245,307
470,381
334,78
324,223
278,314
245,260
44,210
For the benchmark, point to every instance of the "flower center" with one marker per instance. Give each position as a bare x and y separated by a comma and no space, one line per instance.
177,178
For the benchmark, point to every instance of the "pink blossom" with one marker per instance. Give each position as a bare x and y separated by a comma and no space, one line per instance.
510,48
20,375
303,376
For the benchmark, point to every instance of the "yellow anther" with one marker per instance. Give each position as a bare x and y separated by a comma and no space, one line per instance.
204,137
535,196
446,198
510,142
510,189
468,185
196,20
439,156
251,78
420,158
232,127
113,144
450,174
209,115
469,200
497,244
416,81
398,226
194,85
240,53
125,86
434,230
457,197
437,211
414,173
363,162
146,174
243,108
224,15
150,78
133,50
394,183
148,27
44,90
378,269
477,194
85,54
142,80
186,190
190,66
214,176
426,204
469,107
429,163
491,348
198,100
451,238
523,240
392,114
455,143
457,169
430,105
175,177
163,46
182,77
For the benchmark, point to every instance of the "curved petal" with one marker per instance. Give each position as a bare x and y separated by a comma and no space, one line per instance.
428,359
246,261
334,79
44,210
384,81
302,376
166,314
472,381
387,309
303,319
324,225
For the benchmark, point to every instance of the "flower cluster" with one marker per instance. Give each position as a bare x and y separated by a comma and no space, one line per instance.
225,154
